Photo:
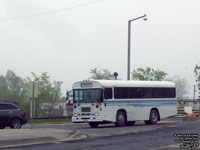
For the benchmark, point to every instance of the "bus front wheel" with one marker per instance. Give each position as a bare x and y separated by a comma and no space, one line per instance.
93,124
120,119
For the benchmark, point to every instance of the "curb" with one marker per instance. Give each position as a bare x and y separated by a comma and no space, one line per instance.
51,123
75,136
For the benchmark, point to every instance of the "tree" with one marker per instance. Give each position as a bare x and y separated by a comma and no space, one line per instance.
3,88
12,88
49,92
101,74
197,76
148,74
181,86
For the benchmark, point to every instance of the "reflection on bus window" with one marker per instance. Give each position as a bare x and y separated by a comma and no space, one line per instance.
88,96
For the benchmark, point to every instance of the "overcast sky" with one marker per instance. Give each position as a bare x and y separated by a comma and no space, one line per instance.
68,43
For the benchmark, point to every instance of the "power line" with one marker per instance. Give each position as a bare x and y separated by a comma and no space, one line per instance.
49,12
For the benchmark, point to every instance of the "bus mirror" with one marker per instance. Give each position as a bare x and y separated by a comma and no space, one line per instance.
67,95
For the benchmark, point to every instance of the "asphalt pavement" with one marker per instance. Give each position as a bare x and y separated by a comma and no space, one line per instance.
166,135
46,133
25,137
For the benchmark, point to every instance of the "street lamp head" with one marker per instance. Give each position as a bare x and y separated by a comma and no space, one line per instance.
145,19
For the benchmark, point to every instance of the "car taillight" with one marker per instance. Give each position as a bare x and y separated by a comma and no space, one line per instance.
25,112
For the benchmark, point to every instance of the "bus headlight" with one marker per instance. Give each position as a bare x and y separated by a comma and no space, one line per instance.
75,115
96,114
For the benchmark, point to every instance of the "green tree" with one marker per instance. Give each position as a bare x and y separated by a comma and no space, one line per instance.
3,88
12,88
197,76
181,86
49,92
148,74
101,74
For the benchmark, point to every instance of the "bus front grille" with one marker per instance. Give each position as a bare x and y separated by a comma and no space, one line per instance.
85,109
85,114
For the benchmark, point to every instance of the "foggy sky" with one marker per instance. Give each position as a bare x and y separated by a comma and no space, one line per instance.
67,44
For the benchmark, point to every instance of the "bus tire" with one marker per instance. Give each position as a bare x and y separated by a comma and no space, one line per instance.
130,123
153,117
93,124
121,119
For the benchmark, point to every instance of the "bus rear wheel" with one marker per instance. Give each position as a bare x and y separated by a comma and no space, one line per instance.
120,119
153,119
93,124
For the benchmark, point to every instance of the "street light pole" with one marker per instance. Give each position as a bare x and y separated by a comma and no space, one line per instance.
129,44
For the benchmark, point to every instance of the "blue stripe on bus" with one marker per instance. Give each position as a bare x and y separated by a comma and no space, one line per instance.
141,104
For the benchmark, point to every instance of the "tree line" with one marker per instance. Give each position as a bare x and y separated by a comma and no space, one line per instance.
150,74
16,88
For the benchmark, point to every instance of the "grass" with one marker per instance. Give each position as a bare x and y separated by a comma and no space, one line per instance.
60,120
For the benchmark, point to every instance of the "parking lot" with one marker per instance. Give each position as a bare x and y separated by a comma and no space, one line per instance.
145,136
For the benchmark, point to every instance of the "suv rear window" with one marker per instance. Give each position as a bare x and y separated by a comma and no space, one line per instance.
7,106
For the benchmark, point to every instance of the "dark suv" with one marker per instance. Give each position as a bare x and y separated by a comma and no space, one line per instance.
12,115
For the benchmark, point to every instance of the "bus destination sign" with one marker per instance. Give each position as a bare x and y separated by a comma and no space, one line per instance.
86,84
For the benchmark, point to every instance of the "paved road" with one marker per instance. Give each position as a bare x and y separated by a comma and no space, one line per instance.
108,129
160,137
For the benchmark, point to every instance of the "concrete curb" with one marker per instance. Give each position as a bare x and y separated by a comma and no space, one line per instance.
76,136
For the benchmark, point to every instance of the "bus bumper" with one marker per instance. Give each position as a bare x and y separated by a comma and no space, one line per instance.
87,119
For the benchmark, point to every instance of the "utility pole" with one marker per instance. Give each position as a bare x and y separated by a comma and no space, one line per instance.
33,93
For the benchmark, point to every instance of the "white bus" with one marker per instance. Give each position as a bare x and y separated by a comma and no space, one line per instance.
123,102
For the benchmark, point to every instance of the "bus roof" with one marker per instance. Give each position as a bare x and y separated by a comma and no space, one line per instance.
125,83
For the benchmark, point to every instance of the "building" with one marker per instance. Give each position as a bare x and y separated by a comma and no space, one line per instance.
184,106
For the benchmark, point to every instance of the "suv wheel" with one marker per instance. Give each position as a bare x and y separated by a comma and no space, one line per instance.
15,123
2,127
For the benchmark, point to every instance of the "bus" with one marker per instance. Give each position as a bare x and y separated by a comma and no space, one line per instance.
123,102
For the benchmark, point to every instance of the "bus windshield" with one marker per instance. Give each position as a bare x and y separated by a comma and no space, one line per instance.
88,96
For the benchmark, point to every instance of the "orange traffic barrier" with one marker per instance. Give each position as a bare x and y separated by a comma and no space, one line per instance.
191,115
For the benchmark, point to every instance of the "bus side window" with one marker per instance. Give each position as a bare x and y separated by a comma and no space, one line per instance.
121,92
172,92
108,93
147,93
